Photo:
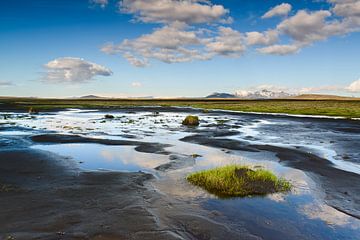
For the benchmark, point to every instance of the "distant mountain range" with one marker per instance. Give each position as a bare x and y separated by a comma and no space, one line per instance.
261,94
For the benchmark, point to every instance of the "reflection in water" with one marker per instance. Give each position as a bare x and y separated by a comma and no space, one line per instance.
281,220
328,215
96,156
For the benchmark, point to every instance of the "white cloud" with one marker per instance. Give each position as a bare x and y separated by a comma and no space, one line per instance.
346,8
101,3
354,86
228,43
179,40
176,43
305,27
265,38
167,11
279,49
136,84
73,70
279,10
169,44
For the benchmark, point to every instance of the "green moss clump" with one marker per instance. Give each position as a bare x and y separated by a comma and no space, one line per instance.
238,181
191,121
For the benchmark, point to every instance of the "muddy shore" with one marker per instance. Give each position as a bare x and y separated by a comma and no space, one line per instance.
47,198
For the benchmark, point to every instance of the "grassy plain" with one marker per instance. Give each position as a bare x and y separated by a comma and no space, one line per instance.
341,108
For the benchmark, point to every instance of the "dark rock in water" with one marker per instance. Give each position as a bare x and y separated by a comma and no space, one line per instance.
108,116
191,121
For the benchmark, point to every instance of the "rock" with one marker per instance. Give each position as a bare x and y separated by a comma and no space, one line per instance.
191,121
108,116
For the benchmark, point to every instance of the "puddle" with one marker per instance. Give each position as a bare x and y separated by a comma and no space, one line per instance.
293,217
114,158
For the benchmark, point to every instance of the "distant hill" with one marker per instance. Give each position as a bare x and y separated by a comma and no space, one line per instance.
323,97
221,95
91,97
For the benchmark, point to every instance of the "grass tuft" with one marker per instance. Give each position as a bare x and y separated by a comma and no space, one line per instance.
238,181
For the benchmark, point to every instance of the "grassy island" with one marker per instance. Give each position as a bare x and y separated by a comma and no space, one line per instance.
238,181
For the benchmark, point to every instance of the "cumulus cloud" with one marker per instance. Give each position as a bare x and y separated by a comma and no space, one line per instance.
176,43
101,3
73,70
346,8
169,44
279,10
354,86
265,38
180,39
167,11
279,49
228,43
305,28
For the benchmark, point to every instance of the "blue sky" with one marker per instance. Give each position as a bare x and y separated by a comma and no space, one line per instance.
73,48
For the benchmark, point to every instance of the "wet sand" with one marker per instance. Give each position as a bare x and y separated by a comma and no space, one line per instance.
50,199
337,185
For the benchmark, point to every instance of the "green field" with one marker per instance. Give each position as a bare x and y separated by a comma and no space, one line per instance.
341,108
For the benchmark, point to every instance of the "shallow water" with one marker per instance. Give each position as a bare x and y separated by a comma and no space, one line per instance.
301,214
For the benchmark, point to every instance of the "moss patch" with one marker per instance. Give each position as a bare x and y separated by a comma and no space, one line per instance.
7,188
238,181
191,121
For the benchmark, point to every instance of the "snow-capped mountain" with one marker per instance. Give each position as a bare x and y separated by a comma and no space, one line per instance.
262,94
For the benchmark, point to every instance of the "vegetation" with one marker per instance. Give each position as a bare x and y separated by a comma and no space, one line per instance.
191,121
33,111
7,188
343,108
235,180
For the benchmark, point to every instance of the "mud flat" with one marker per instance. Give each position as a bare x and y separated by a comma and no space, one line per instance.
50,199
53,184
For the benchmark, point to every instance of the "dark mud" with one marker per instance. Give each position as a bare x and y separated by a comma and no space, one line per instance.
51,199
145,147
177,162
338,185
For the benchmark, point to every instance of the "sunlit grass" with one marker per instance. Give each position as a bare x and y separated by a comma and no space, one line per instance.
236,180
344,108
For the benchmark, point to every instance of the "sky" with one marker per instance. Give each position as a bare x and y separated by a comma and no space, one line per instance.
178,48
